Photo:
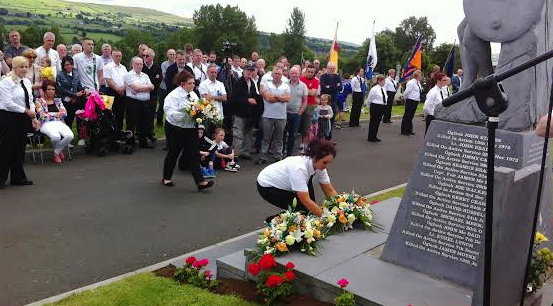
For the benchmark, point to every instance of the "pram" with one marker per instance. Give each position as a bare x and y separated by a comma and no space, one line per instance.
101,130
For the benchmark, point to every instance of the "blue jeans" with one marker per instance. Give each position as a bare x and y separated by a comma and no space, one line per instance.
292,127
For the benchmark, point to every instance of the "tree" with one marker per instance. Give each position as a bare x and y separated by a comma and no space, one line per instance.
215,24
275,50
294,36
439,55
388,54
408,31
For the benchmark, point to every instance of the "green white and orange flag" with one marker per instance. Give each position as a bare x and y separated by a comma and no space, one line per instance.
334,49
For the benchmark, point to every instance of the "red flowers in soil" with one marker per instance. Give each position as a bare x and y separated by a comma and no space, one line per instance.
266,262
274,281
254,269
190,260
290,265
200,263
343,283
289,275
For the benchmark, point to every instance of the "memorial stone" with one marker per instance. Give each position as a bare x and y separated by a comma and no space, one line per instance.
439,226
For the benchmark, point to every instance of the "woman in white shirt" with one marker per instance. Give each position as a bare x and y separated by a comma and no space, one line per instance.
291,178
434,97
181,131
17,113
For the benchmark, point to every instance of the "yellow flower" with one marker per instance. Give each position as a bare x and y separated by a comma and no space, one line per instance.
267,232
351,218
540,238
343,205
281,246
343,219
199,120
308,234
340,200
317,223
316,233
290,240
202,107
192,113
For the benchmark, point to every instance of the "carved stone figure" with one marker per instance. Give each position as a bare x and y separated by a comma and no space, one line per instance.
512,23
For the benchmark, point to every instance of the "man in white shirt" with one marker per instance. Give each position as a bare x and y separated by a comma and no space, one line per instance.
276,95
89,66
47,50
377,101
197,68
412,95
114,74
235,67
213,90
390,87
267,77
138,87
357,91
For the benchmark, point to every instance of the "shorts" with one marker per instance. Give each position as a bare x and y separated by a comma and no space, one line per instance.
341,105
306,118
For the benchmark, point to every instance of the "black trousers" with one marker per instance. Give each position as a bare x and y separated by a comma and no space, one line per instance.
71,108
118,107
152,112
407,121
388,114
428,119
356,105
179,139
138,118
377,112
13,131
284,198
159,113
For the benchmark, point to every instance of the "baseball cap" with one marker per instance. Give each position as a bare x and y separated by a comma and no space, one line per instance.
250,67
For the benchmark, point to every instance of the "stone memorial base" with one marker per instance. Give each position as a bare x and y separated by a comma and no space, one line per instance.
354,255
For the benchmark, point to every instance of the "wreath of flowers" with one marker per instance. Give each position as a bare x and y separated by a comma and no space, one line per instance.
202,110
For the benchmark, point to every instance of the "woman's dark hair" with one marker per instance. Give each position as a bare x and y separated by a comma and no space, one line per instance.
319,148
47,83
67,58
438,77
182,76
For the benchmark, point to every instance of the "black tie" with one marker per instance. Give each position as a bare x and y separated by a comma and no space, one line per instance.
393,82
188,96
383,96
94,71
27,104
442,94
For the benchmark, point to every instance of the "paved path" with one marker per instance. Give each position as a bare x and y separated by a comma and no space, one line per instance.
95,218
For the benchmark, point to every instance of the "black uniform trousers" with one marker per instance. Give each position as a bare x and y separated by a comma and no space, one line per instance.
377,112
356,105
13,133
138,118
284,198
118,107
179,139
390,102
407,121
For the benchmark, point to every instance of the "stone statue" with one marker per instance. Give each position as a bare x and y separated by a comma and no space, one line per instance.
515,24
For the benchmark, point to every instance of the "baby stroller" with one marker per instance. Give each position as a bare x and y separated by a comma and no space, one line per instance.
101,129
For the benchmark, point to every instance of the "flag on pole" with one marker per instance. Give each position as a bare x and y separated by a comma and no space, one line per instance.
371,57
334,49
450,62
414,62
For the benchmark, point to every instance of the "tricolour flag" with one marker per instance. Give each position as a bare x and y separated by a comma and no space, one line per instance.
414,62
371,57
450,62
334,49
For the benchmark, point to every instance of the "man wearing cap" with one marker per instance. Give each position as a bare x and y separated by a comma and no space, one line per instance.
245,103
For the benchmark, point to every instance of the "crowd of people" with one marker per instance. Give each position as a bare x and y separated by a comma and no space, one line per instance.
265,113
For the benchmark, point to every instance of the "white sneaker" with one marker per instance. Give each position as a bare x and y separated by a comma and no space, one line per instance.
81,143
236,166
230,168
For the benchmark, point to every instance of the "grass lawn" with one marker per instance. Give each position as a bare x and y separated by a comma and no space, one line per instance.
149,290
391,194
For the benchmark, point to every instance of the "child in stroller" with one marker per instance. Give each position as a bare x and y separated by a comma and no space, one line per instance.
101,130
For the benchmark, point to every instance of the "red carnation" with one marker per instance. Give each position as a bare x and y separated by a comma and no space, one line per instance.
343,283
274,281
253,269
208,274
266,262
200,263
190,260
290,265
289,275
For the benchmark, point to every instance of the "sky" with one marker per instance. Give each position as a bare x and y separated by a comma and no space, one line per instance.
355,18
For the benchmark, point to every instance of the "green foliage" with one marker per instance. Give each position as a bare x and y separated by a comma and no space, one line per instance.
149,290
276,48
215,24
439,55
541,267
408,31
294,36
192,273
345,299
33,36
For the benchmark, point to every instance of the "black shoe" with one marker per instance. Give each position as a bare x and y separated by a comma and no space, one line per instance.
146,146
411,133
377,140
152,139
386,121
208,185
372,140
23,183
167,184
405,134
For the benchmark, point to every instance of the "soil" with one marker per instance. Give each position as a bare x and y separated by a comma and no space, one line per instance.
246,290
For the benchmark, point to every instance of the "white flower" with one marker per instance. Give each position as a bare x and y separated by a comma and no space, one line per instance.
290,240
269,250
330,224
331,219
263,241
351,218
335,209
298,235
281,227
